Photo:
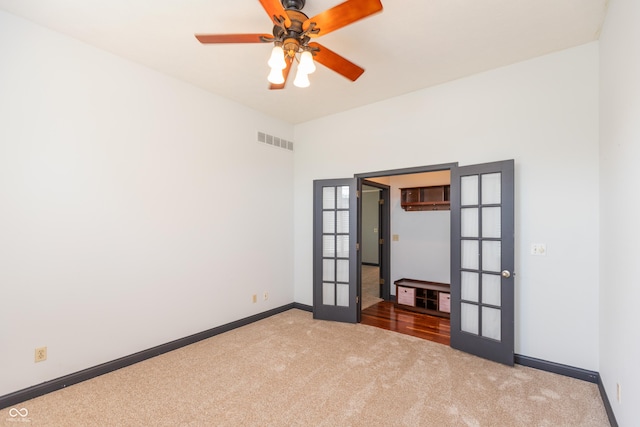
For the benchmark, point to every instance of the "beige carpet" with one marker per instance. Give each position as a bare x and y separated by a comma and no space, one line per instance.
370,286
291,370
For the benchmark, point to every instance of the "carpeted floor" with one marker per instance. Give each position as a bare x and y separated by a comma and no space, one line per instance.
291,370
370,285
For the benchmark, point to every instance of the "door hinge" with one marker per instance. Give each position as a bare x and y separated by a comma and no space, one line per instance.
358,194
382,281
381,201
357,246
357,299
381,242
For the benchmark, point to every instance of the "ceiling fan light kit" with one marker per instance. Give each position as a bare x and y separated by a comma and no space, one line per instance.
292,32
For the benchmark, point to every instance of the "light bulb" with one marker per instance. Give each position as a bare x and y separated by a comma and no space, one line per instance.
276,77
306,64
277,59
302,79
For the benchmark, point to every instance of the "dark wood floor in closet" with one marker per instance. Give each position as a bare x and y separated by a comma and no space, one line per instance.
384,315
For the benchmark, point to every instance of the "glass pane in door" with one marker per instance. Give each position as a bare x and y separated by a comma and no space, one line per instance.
328,270
469,317
491,323
343,197
328,246
491,188
328,294
343,295
342,222
469,190
491,255
343,270
328,198
469,220
470,254
491,225
491,293
470,287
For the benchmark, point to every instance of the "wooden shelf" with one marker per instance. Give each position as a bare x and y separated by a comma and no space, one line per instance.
434,198
423,296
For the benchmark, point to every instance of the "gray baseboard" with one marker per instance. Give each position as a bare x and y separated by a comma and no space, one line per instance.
573,372
607,404
303,307
557,368
14,398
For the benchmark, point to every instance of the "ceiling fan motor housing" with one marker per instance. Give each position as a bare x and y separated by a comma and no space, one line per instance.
294,36
293,4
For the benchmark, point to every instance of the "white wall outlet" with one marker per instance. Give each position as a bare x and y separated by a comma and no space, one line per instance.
41,354
266,295
539,249
395,237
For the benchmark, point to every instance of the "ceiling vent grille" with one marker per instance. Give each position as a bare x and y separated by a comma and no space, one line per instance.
275,141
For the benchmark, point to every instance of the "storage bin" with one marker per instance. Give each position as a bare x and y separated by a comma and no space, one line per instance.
406,296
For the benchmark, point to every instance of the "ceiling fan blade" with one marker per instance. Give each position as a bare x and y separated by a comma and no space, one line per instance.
342,15
231,38
285,73
276,12
337,63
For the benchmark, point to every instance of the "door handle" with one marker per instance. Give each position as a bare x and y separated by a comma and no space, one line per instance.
506,274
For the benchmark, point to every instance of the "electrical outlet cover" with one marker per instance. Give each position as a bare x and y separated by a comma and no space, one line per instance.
41,354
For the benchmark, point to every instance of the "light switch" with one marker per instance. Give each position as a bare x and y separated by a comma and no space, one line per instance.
395,237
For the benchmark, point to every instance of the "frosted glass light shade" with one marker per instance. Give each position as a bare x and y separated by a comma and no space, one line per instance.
276,61
306,64
275,76
302,79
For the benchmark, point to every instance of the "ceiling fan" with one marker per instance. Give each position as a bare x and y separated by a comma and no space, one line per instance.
292,32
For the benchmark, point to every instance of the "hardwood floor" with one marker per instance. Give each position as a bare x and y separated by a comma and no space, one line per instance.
384,315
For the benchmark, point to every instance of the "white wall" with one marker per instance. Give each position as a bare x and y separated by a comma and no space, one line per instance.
135,209
620,204
544,114
423,248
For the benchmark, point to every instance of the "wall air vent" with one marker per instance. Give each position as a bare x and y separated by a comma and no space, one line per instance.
274,141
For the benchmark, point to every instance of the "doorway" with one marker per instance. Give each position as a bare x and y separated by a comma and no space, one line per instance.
418,238
373,219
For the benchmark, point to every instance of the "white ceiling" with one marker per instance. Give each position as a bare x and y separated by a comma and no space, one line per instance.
410,45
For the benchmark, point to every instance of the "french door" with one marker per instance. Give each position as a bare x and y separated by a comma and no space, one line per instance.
482,260
336,250
482,256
